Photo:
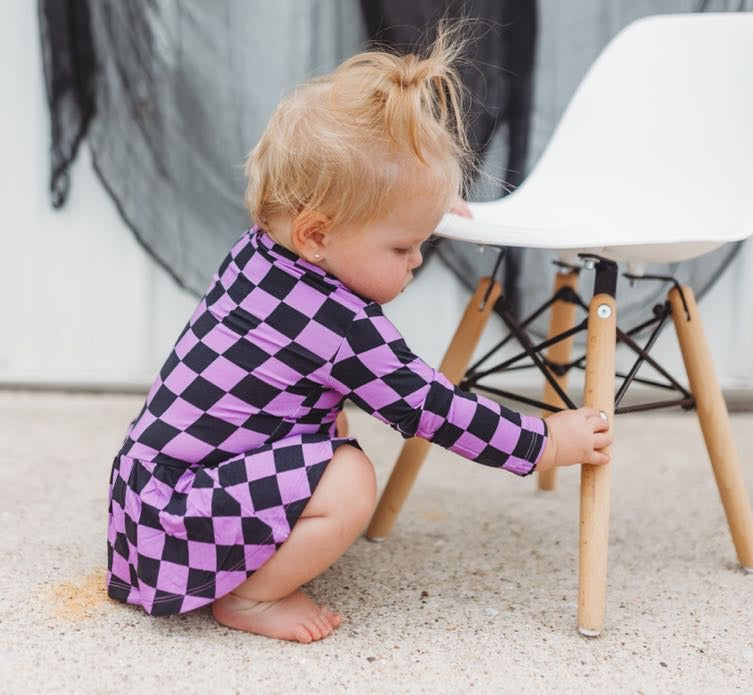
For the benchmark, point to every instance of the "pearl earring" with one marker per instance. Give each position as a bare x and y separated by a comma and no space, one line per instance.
317,256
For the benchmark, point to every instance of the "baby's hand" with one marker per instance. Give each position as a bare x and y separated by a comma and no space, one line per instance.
575,437
460,207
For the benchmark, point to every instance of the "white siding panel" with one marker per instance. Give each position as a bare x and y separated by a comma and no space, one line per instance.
81,303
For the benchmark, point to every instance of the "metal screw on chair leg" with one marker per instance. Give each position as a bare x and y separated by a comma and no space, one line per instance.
604,311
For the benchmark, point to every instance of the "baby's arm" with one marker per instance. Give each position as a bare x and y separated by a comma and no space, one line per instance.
377,371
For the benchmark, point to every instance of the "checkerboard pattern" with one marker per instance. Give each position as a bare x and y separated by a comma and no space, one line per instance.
240,423
179,538
376,370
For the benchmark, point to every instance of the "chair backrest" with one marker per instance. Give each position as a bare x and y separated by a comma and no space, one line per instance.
657,139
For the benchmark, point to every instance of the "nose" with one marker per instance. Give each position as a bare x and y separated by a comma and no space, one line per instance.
416,259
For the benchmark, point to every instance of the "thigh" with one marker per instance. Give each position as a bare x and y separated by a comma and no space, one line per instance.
348,482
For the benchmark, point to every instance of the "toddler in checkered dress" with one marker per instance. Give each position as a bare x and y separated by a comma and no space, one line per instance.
232,487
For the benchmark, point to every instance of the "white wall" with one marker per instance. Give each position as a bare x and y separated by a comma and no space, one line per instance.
79,300
82,304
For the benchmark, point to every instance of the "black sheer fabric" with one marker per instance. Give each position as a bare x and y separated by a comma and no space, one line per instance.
182,91
68,58
498,77
499,70
500,83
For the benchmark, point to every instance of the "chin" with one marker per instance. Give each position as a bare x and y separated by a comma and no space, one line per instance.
384,296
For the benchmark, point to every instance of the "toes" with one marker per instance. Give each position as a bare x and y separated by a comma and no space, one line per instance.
333,618
302,635
313,628
323,624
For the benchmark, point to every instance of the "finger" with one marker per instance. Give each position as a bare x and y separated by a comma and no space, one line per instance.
461,209
599,421
602,440
598,458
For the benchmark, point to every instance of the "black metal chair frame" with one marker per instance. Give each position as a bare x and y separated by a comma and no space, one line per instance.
605,279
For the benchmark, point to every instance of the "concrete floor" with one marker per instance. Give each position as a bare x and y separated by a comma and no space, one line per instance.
475,590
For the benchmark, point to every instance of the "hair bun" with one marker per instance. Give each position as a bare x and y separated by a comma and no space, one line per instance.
410,71
345,143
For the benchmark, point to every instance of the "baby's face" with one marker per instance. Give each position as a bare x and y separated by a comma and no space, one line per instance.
378,260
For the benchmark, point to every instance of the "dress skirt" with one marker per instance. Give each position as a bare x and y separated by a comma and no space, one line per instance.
181,536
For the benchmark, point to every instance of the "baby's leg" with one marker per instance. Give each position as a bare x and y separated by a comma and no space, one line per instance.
270,601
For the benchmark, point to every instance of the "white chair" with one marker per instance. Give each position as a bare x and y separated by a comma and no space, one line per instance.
651,162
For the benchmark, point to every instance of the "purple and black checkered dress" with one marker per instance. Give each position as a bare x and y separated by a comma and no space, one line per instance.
240,424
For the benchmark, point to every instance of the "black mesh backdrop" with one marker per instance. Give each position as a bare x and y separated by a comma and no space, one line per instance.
182,91
498,74
69,63
569,37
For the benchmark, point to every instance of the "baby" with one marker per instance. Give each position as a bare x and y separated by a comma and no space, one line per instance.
232,487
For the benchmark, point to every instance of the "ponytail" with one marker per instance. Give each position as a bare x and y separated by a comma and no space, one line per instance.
344,144
417,99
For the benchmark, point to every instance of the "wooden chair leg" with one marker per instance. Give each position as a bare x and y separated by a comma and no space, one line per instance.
714,421
560,320
341,424
454,366
594,481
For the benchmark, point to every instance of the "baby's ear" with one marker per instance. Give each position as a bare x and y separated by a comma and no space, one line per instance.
309,234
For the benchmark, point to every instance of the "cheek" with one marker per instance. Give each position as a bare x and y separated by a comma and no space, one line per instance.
390,279
401,268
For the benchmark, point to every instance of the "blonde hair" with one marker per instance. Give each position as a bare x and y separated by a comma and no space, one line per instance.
344,144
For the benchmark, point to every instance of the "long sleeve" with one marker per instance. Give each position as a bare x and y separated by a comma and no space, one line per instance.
377,371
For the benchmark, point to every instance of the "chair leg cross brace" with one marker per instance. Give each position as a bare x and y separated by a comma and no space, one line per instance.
602,338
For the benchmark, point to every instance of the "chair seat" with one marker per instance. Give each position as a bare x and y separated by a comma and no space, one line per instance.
638,245
652,161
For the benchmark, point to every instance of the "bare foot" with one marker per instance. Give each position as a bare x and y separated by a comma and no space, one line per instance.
295,617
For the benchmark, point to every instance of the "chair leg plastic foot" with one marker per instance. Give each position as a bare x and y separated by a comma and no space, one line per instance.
589,633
